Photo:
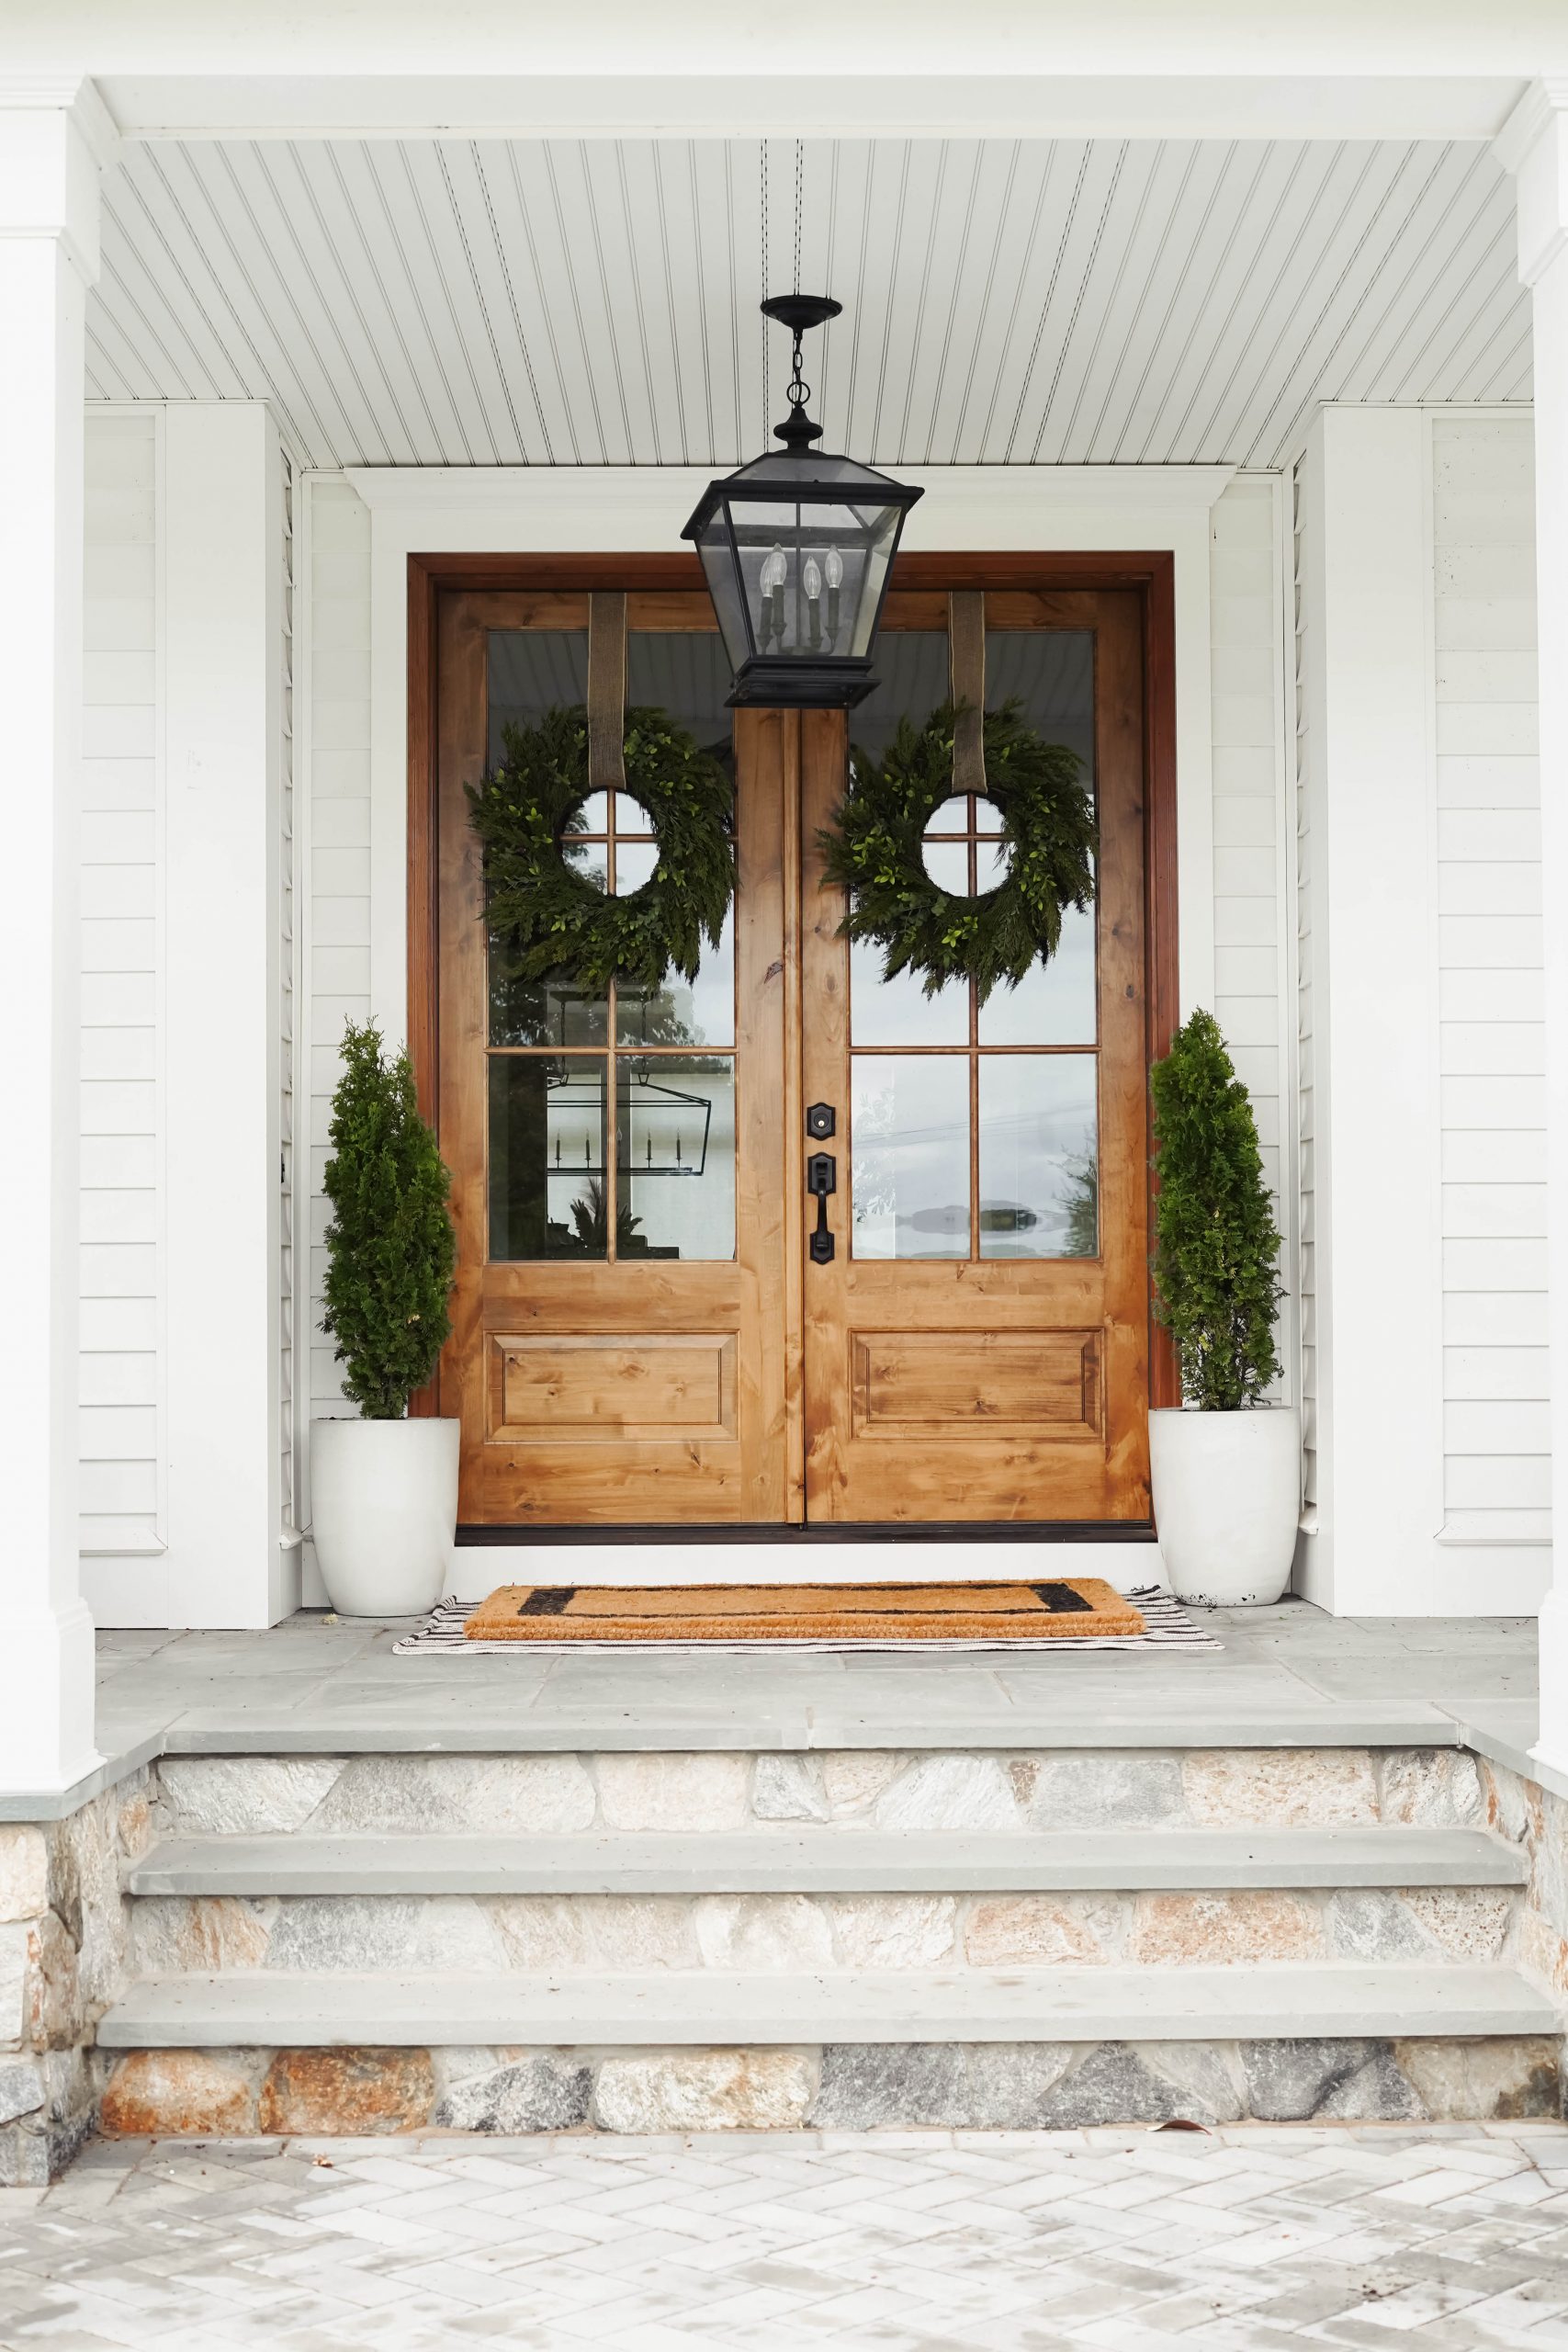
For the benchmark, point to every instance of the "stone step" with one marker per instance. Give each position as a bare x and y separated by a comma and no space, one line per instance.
894,1785
663,2010
827,1861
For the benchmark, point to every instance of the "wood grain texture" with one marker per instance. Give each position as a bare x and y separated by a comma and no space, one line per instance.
583,1396
870,1457
937,1384
798,1440
647,1386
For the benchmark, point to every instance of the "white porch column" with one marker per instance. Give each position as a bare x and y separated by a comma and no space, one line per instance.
50,159
1534,145
1375,1504
223,566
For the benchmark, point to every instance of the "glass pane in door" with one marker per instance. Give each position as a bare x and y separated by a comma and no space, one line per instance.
909,1158
547,1131
1039,1180
675,1155
668,1189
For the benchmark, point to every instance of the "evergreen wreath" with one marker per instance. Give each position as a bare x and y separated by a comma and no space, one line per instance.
874,854
548,921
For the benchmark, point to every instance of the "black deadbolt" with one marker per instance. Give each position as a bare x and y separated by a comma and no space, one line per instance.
821,1121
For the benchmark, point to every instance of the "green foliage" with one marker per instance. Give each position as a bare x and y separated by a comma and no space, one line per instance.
391,1250
547,921
1082,1237
874,853
1215,1240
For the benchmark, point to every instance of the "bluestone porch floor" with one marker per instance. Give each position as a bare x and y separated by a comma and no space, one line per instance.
1128,2240
1286,1676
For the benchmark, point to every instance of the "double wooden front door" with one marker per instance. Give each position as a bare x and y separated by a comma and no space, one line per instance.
642,1331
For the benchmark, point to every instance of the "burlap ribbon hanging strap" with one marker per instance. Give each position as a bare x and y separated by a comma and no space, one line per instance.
606,693
966,667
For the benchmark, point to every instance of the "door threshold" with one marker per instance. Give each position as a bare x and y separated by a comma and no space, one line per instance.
1125,1556
1000,1531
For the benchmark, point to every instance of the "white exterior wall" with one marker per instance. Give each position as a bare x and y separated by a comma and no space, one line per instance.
120,1385
185,867
1418,831
1497,1482
1252,999
1306,783
334,768
1263,898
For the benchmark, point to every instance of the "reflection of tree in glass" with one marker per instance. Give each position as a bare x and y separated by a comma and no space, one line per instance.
873,1187
590,1232
655,1018
1081,1202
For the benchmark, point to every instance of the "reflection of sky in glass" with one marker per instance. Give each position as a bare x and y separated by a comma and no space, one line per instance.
661,1125
635,862
899,1011
685,1012
1038,1155
909,1156
1053,1004
947,863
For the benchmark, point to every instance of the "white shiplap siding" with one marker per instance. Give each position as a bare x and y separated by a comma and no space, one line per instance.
119,1381
1495,1362
286,1006
1304,754
339,937
1245,721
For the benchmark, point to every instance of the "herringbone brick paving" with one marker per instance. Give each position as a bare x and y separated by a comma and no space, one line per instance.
1453,2238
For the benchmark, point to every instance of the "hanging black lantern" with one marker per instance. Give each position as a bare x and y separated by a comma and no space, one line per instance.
798,548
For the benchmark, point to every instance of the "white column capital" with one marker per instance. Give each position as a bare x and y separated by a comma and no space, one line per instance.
1533,146
56,138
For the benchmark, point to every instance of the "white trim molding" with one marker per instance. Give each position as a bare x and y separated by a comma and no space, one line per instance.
1032,75
1534,147
486,509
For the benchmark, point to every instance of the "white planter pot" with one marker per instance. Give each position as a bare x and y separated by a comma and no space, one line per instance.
384,1513
1227,1491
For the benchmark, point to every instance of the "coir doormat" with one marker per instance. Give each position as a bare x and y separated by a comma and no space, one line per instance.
1063,1617
810,1613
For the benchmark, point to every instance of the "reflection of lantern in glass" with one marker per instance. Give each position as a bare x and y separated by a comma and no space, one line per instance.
833,565
811,581
775,571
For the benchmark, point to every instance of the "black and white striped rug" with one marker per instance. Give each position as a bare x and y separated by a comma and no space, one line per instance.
1166,1626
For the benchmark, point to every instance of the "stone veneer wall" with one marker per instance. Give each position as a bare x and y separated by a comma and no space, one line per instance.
62,1954
66,1944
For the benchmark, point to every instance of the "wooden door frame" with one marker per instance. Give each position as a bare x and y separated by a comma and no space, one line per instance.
1148,574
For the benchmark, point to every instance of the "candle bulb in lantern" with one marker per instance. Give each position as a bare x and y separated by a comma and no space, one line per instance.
775,571
811,581
833,564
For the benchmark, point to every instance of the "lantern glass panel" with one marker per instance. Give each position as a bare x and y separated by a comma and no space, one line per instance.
724,586
812,573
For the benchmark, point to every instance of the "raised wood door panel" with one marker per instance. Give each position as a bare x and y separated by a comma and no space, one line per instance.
972,1386
623,1389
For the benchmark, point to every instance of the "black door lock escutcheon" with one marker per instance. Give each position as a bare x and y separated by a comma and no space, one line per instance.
821,1178
821,1121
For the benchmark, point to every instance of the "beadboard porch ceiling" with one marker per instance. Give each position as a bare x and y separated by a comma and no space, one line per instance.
1099,301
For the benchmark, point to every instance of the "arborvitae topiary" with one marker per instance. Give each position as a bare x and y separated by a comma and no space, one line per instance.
391,1250
1216,1242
